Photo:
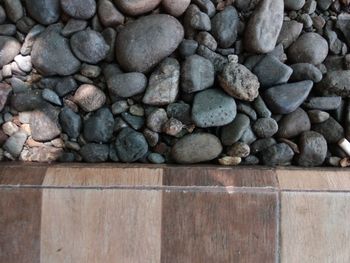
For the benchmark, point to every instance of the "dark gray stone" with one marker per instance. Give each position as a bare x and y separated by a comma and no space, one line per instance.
290,32
65,86
71,122
80,9
330,129
278,154
232,132
99,126
293,124
10,48
305,71
323,103
265,127
46,12
336,82
313,149
95,153
50,96
136,122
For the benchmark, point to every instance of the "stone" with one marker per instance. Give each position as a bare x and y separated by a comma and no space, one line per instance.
99,126
294,4
180,111
163,85
213,108
15,143
89,97
206,39
218,60
94,153
313,149
270,71
90,71
205,6
246,5
264,26
200,21
172,127
175,8
151,137
70,122
109,15
120,107
79,9
144,43
232,132
65,86
278,154
230,161
317,116
8,30
337,83
197,74
290,32
239,82
323,103
156,158
2,15
50,96
225,27
262,144
135,122
41,154
136,7
27,101
130,145
332,131
324,4
305,71
24,63
137,110
9,128
308,48
110,36
239,149
286,98
89,46
14,9
156,119
10,48
5,91
265,127
260,108
73,26
51,54
188,47
196,148
45,12
293,124
30,38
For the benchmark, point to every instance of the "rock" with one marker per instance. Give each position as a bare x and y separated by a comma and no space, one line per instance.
317,116
180,111
173,127
2,15
80,9
336,82
289,33
206,39
156,119
330,129
44,124
200,21
89,97
99,126
197,74
8,30
109,15
14,10
46,12
156,158
213,108
324,4
89,46
41,154
278,154
130,145
206,6
313,149
261,109
65,86
71,122
9,128
265,127
126,85
5,91
135,122
188,47
232,132
142,44
51,96
163,86
51,54
10,48
286,98
239,82
294,124
245,108
343,23
270,71
262,144
230,161
175,8
136,7
218,60
95,153
196,148
264,26
14,144
225,26
294,4
305,71
27,101
308,48
120,107
24,63
323,103
239,149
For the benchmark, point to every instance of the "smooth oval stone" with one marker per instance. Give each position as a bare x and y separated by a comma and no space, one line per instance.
336,82
46,12
51,54
313,149
232,132
330,129
305,71
278,154
323,103
89,46
294,4
80,9
264,26
290,32
317,116
175,8
94,153
136,7
109,15
142,44
309,48
265,127
196,148
286,98
213,108
9,48
293,124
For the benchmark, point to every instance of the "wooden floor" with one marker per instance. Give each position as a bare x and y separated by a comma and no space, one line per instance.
133,213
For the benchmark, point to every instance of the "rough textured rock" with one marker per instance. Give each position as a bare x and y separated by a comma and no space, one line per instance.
99,126
71,122
265,127
80,9
89,97
336,82
46,12
313,149
95,153
196,148
44,124
142,44
294,4
10,48
278,154
136,7
5,91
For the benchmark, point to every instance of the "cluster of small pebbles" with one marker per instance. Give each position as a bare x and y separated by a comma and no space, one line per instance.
162,81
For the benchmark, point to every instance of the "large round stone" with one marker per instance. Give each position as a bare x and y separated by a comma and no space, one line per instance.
136,7
46,12
80,9
142,44
313,149
9,48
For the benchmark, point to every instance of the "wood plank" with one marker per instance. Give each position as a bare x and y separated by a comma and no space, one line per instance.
315,227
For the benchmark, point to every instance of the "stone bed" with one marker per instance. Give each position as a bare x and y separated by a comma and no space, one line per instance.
222,81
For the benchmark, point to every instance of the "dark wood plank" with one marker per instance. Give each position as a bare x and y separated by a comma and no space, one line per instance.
22,175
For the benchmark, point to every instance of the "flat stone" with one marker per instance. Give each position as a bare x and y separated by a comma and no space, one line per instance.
51,96
89,97
286,98
265,127
135,122
330,129
290,32
323,103
5,91
317,116
136,7
80,9
14,144
73,26
313,149
27,101
46,12
196,148
232,132
94,153
294,124
336,82
278,154
305,71
213,108
10,48
71,122
41,154
99,126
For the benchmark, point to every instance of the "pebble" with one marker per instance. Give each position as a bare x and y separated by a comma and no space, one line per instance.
330,129
313,149
71,122
245,108
286,98
323,103
109,15
160,35
180,111
239,149
213,108
188,47
14,9
8,30
2,15
163,85
197,74
232,132
261,145
305,71
89,97
293,124
290,32
239,82
90,71
261,109
308,48
294,4
120,107
218,60
135,122
206,6
44,124
73,26
156,158
41,154
130,145
248,136
230,161
24,63
79,9
175,8
206,39
172,127
196,148
27,101
265,127
137,110
94,153
10,48
336,82
99,126
318,116
9,128
157,119
136,7
65,86
45,12
50,96
5,91
200,21
278,154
